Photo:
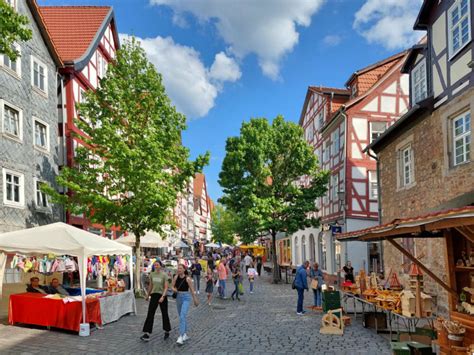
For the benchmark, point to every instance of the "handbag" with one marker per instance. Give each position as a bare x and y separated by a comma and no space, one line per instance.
175,293
314,284
241,288
293,284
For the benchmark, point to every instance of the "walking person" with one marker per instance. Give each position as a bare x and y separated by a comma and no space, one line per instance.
222,271
156,294
259,265
248,260
236,278
301,284
209,285
196,269
317,280
251,273
183,286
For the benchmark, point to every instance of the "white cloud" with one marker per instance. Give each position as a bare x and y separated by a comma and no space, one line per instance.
389,22
225,68
192,87
267,28
332,40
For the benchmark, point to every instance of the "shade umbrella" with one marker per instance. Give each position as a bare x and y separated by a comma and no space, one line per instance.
149,240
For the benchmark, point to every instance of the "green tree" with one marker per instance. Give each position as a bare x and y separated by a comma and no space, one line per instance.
12,29
132,165
223,225
259,179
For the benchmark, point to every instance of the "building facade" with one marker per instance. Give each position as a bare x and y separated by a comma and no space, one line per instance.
28,110
344,121
426,158
86,39
202,210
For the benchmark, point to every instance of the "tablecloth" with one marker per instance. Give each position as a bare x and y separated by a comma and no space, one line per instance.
113,307
35,308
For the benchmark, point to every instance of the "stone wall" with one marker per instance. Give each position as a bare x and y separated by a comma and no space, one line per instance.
437,185
21,156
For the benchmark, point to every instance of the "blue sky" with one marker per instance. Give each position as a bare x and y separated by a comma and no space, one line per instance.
225,61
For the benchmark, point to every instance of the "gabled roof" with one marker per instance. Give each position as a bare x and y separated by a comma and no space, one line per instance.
421,22
76,30
199,181
369,75
325,90
412,54
35,11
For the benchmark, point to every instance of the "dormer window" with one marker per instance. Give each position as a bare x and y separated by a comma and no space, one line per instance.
459,25
353,90
418,82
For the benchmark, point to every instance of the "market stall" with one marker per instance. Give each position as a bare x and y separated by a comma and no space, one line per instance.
61,239
456,228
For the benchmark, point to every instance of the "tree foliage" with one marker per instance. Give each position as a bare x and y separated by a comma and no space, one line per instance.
223,225
132,165
260,175
13,28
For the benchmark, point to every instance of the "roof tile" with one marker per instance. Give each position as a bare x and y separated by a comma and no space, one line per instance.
73,28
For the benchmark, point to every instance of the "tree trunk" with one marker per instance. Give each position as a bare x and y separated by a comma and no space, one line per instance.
276,268
138,262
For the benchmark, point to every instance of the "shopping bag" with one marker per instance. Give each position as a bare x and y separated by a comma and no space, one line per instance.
241,288
314,284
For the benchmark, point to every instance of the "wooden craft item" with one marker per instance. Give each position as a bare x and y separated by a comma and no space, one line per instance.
332,323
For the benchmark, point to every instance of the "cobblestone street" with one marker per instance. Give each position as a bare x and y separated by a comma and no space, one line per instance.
262,322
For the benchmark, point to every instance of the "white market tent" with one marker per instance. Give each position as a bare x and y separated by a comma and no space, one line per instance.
212,245
180,244
149,240
63,239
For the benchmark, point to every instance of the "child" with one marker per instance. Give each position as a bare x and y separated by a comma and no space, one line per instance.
209,285
251,273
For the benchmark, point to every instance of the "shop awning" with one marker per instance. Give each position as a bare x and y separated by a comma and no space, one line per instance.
149,240
434,225
425,226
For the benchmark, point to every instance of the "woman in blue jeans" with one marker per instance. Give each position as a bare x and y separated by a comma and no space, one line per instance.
317,275
183,285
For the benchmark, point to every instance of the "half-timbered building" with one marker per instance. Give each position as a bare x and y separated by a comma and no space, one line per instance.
86,39
350,118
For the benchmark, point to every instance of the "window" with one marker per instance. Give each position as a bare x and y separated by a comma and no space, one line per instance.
12,66
459,24
41,138
336,144
334,187
12,3
100,74
462,138
353,91
373,192
326,151
13,188
12,120
376,130
39,75
41,197
418,82
320,119
406,166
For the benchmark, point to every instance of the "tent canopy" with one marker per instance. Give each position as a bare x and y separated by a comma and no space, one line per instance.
180,244
212,245
149,240
60,239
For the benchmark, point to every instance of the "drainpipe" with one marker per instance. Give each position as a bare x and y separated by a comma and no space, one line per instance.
344,155
62,93
379,201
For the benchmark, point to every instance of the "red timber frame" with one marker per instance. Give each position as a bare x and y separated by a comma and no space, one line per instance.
72,132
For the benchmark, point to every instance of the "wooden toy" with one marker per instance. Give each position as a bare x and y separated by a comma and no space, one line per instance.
332,323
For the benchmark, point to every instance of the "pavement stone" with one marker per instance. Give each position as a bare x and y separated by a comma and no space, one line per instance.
264,322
